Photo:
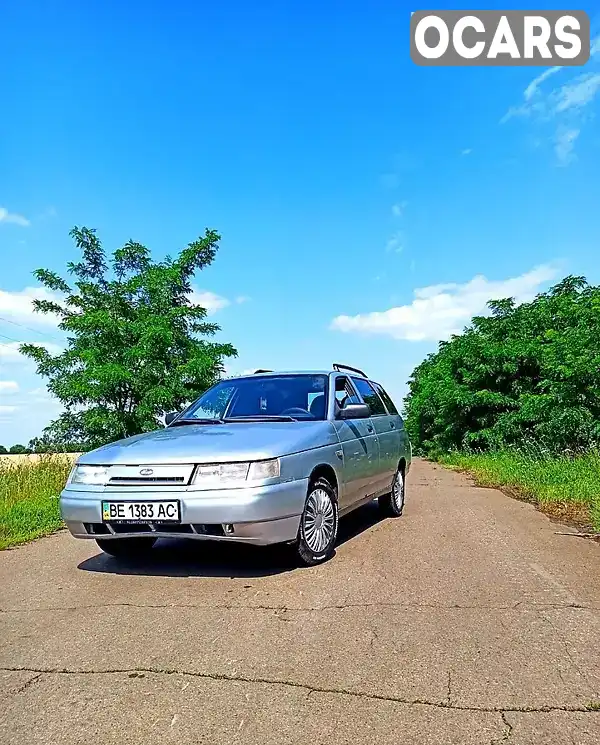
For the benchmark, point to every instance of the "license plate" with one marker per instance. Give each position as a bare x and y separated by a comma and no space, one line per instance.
141,512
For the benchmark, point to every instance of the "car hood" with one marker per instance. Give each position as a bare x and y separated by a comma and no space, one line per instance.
215,443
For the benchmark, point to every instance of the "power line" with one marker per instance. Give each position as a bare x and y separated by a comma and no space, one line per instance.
35,331
16,341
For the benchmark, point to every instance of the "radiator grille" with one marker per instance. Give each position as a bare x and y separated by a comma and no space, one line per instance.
137,480
150,475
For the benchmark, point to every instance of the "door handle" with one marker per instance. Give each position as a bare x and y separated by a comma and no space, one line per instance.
369,427
392,425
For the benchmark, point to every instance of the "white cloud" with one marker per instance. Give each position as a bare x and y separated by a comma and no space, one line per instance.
395,243
563,105
438,311
466,151
564,145
575,95
580,91
9,351
18,306
213,302
209,300
531,89
398,208
13,217
8,409
9,386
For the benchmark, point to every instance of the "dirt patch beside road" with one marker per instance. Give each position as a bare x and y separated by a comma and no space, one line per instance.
465,621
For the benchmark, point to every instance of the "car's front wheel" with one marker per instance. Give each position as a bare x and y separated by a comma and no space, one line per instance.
318,529
126,548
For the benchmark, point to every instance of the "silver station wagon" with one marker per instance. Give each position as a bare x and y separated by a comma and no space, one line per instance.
273,457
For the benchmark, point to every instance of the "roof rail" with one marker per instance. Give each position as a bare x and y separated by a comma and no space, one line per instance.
258,372
338,366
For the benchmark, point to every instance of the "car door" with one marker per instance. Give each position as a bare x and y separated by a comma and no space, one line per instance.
359,447
386,431
403,440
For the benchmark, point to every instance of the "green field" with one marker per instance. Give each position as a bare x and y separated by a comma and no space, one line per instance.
29,489
566,487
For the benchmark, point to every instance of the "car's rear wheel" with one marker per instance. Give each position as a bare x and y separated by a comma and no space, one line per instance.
393,503
318,529
126,548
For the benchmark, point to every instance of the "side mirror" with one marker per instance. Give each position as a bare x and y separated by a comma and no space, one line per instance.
355,411
170,416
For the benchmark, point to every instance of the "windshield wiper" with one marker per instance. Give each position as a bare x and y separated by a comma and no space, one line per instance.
261,418
179,422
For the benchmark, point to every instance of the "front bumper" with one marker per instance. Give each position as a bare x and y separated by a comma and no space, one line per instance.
260,515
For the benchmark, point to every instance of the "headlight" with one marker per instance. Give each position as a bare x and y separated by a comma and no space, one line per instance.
223,473
96,475
220,472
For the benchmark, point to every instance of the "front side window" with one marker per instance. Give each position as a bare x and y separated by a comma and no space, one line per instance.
264,397
344,392
370,396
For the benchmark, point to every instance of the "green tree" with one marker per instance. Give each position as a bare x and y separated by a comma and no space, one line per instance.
19,450
136,345
526,372
48,443
3,450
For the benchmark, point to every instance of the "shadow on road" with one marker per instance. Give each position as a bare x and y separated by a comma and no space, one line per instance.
188,558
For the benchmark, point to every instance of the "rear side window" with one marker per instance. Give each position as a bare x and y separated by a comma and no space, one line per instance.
370,396
386,399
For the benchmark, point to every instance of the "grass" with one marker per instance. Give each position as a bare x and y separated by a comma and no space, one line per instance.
566,487
29,490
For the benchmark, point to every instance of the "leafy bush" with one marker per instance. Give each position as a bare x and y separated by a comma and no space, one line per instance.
526,373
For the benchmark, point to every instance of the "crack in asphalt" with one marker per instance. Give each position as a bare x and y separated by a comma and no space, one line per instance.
139,672
27,683
298,609
508,729
563,640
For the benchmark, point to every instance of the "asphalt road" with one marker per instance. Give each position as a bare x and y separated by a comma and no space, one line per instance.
465,621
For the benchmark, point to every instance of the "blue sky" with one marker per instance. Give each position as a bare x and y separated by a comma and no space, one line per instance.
368,207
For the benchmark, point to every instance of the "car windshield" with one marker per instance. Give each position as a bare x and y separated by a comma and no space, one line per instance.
265,397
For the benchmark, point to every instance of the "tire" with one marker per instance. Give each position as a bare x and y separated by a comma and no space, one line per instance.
126,548
392,504
318,529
